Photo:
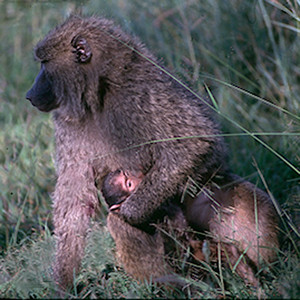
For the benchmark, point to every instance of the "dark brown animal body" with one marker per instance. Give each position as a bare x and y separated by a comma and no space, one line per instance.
149,251
108,104
107,98
239,218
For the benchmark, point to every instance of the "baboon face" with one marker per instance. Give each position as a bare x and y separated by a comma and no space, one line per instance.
74,64
41,94
119,185
125,182
52,79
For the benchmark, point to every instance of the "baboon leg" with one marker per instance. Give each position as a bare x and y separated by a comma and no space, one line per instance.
140,253
248,227
238,262
73,209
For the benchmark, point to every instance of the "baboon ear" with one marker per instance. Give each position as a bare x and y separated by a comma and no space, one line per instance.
82,49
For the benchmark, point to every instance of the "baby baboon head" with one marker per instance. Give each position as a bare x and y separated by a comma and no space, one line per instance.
119,185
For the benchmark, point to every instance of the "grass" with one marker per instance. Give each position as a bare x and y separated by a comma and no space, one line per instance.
243,55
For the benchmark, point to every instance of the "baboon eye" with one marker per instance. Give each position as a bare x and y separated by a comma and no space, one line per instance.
129,184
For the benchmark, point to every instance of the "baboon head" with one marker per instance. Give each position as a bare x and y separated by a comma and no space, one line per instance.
75,59
119,185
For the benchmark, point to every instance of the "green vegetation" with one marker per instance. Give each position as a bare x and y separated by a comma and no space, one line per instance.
245,53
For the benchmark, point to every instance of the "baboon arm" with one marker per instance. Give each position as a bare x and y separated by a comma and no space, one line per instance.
75,201
159,184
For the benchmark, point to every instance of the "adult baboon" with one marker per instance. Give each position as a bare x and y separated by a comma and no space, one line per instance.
239,216
110,104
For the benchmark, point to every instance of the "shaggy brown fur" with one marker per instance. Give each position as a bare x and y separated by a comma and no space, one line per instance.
240,218
149,251
108,103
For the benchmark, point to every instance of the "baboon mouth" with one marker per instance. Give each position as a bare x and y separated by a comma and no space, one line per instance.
116,206
43,107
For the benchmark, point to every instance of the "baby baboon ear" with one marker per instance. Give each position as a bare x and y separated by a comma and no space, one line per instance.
82,49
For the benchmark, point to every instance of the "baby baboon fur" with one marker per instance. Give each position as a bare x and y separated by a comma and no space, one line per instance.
239,217
109,102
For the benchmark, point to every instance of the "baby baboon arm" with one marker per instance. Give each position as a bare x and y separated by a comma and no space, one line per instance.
73,209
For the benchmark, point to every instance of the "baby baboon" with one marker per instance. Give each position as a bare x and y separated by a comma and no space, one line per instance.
239,216
110,104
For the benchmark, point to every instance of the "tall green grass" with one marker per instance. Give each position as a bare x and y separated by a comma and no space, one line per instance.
242,54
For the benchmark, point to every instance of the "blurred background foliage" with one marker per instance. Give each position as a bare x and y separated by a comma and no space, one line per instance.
246,53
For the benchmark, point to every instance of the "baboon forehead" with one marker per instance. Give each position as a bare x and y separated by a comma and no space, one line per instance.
59,39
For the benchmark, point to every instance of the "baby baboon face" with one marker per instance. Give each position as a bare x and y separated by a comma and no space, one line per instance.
125,182
119,185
